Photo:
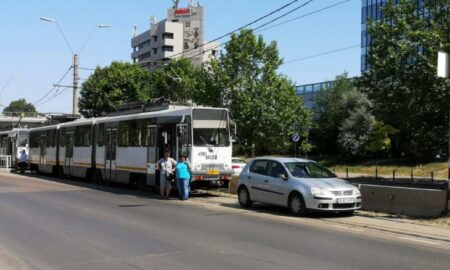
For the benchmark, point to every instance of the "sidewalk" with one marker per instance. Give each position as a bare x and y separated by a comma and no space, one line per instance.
362,219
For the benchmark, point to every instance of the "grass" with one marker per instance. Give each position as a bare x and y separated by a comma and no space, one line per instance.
386,168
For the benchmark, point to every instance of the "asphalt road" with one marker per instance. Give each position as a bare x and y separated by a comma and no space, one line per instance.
49,224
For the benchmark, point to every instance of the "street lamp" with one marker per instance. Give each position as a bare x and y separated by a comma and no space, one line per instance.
75,57
6,85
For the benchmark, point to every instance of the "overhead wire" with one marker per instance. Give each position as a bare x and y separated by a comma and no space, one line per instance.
239,28
53,88
322,54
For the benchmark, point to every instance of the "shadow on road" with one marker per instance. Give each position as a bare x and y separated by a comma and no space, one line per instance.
153,194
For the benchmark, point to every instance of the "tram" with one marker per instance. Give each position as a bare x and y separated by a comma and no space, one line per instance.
125,148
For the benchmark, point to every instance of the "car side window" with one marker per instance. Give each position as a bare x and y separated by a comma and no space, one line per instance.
276,169
259,167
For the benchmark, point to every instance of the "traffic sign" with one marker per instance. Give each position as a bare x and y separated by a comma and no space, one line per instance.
295,137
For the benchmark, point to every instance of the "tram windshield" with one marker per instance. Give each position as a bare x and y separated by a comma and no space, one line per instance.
211,137
23,140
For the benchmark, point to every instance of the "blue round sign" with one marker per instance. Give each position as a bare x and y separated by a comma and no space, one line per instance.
295,137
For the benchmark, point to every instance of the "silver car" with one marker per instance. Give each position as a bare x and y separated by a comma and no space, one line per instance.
296,183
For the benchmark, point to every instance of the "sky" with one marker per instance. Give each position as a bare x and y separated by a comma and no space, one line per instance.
34,56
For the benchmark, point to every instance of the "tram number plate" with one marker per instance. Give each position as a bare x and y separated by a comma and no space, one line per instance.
213,172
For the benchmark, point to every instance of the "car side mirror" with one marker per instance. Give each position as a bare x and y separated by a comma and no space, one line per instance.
283,176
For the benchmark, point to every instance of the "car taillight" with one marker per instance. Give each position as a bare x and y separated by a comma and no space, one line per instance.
198,178
235,166
225,177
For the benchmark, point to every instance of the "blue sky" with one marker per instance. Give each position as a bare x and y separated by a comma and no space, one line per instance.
34,51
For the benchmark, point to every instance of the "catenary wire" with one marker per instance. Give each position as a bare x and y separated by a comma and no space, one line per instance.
53,88
321,54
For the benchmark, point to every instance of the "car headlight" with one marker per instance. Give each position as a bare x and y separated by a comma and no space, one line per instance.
319,192
198,167
356,192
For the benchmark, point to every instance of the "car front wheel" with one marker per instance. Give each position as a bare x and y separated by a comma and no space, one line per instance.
244,197
297,205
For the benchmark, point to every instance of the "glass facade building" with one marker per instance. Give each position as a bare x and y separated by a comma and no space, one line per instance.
371,10
309,91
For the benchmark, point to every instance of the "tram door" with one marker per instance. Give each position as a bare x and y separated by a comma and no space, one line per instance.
182,140
68,163
151,155
110,154
42,151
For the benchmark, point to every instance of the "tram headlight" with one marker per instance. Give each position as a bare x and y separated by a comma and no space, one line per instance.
198,167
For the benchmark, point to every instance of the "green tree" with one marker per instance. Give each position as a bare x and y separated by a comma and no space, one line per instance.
180,81
330,111
19,106
112,86
262,102
402,80
355,128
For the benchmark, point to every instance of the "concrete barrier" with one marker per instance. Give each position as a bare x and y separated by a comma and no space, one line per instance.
412,202
233,184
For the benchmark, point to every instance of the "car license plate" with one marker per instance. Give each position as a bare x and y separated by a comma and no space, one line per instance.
346,200
213,172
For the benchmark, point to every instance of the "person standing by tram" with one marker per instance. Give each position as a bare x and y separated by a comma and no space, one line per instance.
183,177
166,167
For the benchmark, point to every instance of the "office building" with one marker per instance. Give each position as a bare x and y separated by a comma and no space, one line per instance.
181,34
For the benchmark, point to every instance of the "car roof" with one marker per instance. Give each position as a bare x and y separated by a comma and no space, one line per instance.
283,159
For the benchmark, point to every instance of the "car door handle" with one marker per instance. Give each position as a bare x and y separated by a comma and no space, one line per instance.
249,177
266,181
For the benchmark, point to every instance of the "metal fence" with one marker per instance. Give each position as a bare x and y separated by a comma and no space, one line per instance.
5,161
395,179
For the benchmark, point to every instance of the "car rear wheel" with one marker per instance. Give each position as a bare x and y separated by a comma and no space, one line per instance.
297,205
244,197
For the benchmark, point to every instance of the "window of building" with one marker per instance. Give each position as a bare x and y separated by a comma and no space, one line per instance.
167,48
155,38
155,50
187,24
167,35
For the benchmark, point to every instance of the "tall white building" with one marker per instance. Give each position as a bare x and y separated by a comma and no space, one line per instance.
181,34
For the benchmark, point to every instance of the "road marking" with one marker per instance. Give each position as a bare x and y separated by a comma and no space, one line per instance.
419,240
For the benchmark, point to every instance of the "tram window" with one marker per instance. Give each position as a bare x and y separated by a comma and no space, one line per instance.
124,130
101,135
135,135
62,137
151,137
34,139
83,136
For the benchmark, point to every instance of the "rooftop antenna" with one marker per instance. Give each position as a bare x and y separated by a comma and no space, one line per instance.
152,20
175,3
135,29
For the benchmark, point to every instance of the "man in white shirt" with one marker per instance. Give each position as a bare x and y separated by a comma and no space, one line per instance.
23,161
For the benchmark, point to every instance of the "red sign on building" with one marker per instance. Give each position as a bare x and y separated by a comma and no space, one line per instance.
183,12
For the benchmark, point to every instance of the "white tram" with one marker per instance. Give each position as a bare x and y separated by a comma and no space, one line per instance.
12,143
125,148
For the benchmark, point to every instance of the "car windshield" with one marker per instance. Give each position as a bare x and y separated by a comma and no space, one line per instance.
238,161
308,170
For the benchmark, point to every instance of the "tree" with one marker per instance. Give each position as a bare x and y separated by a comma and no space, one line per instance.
19,106
355,128
329,112
262,102
112,86
180,81
402,80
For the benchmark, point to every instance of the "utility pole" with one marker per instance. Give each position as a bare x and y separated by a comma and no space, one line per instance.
75,58
75,84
